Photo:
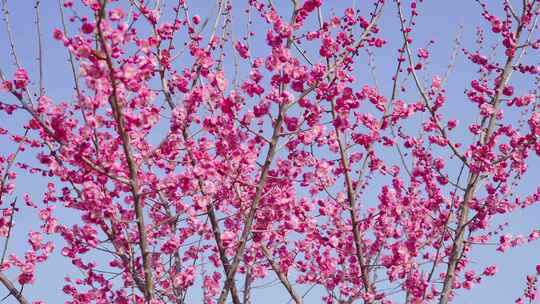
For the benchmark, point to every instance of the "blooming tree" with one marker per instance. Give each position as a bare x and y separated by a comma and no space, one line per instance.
203,155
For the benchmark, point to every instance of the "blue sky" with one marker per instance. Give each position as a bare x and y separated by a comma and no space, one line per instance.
439,20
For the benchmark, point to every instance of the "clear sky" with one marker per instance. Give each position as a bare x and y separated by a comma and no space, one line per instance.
440,20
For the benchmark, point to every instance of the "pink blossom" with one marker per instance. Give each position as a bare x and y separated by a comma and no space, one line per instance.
21,79
241,49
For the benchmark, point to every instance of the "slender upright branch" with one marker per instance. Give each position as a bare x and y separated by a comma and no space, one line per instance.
131,163
248,222
40,47
473,182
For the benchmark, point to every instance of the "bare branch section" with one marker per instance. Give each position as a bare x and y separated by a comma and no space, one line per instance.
12,289
282,276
